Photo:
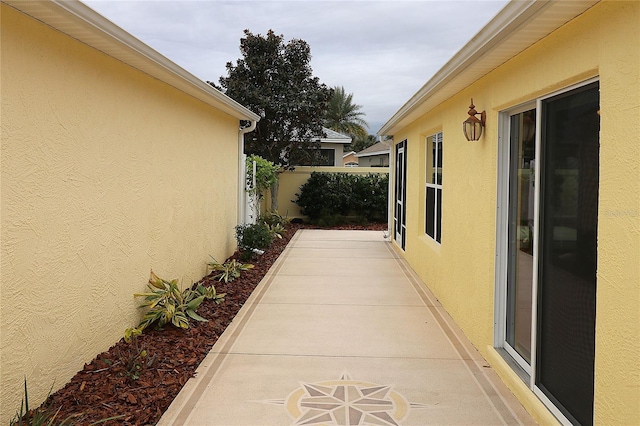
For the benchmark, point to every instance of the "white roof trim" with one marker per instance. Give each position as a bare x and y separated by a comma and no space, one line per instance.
82,23
371,154
334,137
327,140
520,24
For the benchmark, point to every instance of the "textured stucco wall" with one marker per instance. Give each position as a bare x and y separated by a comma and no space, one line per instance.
338,149
604,42
291,181
106,174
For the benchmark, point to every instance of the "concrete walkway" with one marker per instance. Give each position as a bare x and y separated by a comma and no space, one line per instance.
342,332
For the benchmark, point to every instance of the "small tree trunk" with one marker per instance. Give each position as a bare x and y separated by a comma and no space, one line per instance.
274,193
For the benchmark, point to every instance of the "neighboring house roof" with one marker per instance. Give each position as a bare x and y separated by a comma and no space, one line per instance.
335,137
519,25
380,148
332,137
348,154
82,23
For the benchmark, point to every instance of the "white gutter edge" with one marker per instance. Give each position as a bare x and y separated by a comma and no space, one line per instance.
242,172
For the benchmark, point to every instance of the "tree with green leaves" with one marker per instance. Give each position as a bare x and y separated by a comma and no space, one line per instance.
363,143
274,79
345,117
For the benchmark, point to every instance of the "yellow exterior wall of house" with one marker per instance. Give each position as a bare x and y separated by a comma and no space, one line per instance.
291,181
106,174
604,42
351,158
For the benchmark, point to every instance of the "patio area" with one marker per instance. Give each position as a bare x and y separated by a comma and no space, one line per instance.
342,332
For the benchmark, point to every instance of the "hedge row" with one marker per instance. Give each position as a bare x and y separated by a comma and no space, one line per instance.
327,195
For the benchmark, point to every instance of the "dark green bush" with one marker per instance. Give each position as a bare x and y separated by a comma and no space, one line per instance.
369,195
326,198
253,236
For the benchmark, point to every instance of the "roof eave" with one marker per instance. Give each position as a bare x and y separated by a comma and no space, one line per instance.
82,23
342,141
371,154
490,48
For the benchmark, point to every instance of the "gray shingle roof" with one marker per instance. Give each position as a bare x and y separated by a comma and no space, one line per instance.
335,137
377,149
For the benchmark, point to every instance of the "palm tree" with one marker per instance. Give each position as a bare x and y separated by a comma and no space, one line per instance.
344,116
359,144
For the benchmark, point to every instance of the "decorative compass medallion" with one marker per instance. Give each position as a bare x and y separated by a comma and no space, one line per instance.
346,402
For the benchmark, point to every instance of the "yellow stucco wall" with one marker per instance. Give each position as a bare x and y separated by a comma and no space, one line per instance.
290,182
604,42
106,174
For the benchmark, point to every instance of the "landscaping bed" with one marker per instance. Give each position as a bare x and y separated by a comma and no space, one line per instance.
138,381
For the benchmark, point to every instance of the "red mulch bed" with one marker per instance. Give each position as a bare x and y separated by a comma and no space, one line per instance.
111,386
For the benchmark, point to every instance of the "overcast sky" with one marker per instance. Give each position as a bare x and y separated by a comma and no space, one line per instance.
380,51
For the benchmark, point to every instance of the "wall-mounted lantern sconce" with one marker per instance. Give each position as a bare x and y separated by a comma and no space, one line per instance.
472,126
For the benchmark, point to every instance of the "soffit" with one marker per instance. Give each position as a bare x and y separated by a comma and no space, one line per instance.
519,25
82,23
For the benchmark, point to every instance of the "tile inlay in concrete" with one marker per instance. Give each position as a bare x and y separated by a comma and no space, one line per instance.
346,402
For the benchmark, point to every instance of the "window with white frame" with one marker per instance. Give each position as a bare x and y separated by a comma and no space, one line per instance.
433,190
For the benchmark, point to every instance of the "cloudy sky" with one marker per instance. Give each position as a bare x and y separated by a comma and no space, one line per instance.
380,51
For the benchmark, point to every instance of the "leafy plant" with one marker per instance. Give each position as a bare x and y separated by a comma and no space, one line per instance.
272,217
229,270
134,359
253,237
266,174
276,230
275,222
44,415
167,303
40,416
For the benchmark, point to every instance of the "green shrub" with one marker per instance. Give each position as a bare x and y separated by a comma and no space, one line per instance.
169,305
329,196
252,237
370,194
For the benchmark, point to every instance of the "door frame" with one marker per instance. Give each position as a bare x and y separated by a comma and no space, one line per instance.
400,194
502,236
525,371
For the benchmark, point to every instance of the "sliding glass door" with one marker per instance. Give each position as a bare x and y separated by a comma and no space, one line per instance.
549,254
567,268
